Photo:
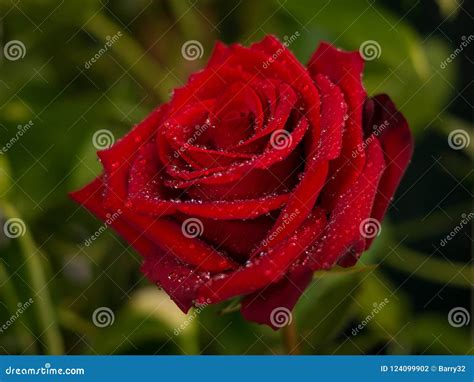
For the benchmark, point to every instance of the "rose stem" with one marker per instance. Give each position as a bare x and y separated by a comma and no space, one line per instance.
290,339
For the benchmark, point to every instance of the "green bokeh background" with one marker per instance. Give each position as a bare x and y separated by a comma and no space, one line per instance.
67,103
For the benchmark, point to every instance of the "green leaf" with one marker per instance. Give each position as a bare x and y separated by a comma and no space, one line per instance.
327,306
432,334
380,309
149,316
430,268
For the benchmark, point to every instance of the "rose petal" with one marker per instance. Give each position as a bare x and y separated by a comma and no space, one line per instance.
300,79
220,210
228,235
235,172
263,305
397,144
345,70
170,236
303,197
343,234
117,160
181,289
178,280
264,270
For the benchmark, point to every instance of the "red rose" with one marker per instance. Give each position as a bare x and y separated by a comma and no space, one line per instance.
258,172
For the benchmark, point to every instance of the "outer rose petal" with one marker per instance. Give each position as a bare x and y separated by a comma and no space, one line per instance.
285,293
118,159
182,289
168,235
353,207
262,271
345,70
397,144
342,235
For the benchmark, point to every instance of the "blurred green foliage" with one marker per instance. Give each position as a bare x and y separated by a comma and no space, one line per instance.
68,103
